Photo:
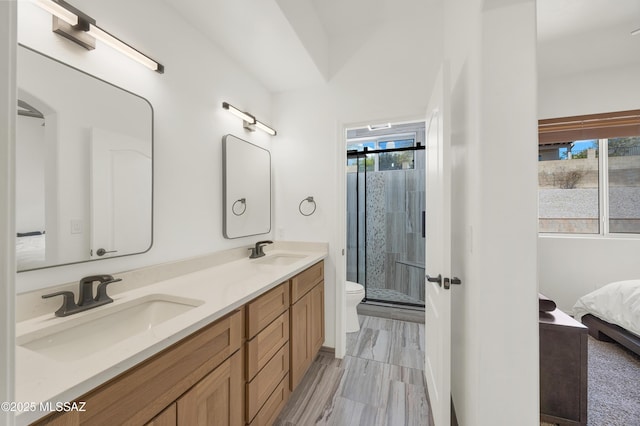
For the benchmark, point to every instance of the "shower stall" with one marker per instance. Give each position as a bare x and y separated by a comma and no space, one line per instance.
385,213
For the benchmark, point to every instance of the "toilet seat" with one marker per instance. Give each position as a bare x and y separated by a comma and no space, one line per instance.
352,287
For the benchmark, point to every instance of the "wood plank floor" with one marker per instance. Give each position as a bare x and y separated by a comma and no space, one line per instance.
379,382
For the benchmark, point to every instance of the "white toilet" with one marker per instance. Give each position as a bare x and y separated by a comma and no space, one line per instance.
355,294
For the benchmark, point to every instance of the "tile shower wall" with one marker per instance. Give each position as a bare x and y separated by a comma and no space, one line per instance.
395,247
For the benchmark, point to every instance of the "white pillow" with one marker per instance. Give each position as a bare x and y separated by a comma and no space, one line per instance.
617,303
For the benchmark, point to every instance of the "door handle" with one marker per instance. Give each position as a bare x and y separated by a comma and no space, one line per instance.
102,252
437,279
448,282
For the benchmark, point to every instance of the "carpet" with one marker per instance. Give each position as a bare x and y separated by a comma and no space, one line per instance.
613,387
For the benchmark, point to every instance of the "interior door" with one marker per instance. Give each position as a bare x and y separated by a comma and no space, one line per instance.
121,180
438,258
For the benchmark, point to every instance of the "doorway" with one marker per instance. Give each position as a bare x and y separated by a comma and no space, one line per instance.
385,212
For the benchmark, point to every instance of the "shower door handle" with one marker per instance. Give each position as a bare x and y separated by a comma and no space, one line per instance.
437,279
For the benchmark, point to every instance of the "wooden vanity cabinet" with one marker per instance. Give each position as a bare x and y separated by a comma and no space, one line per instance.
307,320
216,399
138,395
267,355
239,370
169,417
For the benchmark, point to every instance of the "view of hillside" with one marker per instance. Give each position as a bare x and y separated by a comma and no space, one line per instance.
569,189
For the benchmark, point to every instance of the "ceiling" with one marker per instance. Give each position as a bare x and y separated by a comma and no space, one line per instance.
579,35
562,18
259,36
290,44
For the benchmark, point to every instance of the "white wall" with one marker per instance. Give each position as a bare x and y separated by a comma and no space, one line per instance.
310,153
189,123
7,200
490,47
569,268
589,92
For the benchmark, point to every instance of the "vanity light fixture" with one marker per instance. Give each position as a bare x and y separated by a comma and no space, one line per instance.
249,121
235,111
260,125
124,48
82,29
58,11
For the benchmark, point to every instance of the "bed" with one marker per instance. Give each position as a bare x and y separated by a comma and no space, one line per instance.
612,313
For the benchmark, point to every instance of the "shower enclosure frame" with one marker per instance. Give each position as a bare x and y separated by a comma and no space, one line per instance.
363,154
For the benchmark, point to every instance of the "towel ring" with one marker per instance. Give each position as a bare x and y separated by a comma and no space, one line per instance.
310,200
236,210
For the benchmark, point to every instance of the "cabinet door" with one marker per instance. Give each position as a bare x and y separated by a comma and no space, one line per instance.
218,399
166,418
300,339
316,326
307,332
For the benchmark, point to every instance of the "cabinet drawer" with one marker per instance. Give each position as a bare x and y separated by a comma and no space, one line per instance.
262,347
306,280
270,410
266,381
142,392
264,309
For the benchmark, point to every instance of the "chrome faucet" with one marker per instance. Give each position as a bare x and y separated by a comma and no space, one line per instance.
86,300
258,251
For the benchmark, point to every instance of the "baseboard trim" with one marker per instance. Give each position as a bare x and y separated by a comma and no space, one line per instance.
328,350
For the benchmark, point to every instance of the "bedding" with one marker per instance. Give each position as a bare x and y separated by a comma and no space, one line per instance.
617,303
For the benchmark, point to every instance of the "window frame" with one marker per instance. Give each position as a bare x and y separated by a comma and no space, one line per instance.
383,138
586,127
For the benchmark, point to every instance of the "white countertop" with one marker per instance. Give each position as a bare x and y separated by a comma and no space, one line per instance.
221,288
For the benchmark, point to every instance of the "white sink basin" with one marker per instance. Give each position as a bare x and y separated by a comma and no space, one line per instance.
280,259
77,337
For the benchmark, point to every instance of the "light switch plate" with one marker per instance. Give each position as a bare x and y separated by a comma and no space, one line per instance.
76,226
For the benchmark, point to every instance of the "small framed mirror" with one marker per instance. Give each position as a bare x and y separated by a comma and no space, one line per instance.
246,171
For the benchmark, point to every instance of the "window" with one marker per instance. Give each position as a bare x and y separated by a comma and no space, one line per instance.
623,183
396,160
590,185
392,160
357,164
568,188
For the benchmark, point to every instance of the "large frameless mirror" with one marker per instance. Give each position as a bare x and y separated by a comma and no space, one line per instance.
84,166
247,188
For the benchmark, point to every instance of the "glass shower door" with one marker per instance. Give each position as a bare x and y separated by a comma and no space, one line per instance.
385,223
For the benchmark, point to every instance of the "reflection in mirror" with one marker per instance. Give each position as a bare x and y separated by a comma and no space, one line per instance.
83,166
247,188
